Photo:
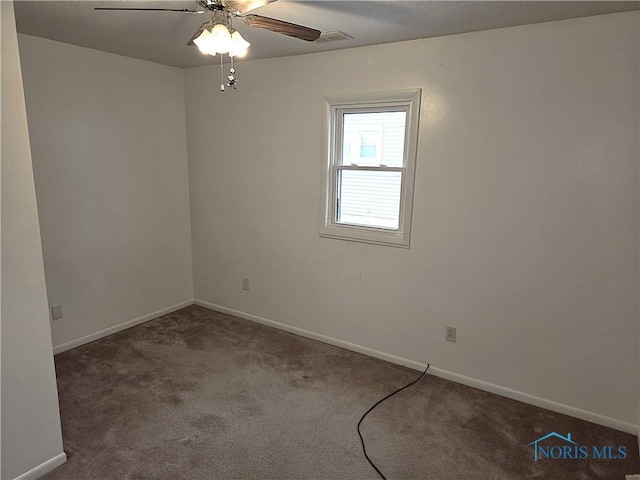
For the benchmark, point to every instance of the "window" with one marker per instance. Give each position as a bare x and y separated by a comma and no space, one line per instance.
369,161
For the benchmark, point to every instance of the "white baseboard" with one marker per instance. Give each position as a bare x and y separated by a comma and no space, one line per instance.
455,377
121,326
539,401
44,468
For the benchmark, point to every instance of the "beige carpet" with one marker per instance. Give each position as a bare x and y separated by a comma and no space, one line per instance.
201,395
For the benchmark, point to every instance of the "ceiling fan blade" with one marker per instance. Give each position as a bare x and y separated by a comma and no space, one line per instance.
280,26
197,34
183,10
243,6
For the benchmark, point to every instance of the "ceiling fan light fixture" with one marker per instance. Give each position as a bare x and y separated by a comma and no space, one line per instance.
217,39
204,43
239,45
220,38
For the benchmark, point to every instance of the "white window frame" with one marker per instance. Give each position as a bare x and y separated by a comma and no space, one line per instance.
334,107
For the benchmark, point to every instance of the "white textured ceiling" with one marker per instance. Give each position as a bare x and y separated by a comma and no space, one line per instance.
162,37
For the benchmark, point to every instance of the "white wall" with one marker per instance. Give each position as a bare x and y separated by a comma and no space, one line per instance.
31,436
110,163
525,224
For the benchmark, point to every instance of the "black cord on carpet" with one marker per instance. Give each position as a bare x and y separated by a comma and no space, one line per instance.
374,406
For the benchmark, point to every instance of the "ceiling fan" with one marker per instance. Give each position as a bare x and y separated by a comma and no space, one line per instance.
218,34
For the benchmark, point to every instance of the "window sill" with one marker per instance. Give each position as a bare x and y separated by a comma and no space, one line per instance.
366,235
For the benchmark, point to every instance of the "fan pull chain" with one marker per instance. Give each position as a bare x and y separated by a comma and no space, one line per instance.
221,74
232,76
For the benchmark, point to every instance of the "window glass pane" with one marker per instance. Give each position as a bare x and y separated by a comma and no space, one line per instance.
369,198
369,143
346,152
374,138
367,151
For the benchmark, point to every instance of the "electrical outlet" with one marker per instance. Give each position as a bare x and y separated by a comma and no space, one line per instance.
450,335
245,283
